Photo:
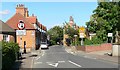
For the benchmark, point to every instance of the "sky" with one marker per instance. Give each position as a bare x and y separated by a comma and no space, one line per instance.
51,14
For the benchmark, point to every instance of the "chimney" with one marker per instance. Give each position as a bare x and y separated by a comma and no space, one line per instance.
26,12
32,15
20,8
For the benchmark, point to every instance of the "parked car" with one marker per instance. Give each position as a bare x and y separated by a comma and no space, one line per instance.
44,45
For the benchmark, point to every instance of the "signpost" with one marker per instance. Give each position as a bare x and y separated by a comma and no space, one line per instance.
75,40
21,32
110,35
82,34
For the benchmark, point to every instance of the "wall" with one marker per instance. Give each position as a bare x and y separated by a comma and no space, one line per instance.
29,38
102,47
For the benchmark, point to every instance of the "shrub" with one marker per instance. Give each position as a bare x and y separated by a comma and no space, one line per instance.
9,54
95,40
87,42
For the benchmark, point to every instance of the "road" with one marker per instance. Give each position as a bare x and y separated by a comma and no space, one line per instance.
57,57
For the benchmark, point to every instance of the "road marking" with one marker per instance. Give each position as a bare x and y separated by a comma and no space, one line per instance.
89,57
38,58
75,63
52,64
38,63
43,53
61,61
32,62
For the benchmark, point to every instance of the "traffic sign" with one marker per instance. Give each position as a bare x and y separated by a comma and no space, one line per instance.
20,32
81,29
110,34
21,25
82,35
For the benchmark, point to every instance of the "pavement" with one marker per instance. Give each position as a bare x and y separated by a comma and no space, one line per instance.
103,55
26,61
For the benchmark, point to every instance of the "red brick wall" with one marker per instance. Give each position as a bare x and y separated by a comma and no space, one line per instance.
102,47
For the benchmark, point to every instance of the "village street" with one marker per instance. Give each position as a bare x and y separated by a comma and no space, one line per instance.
57,57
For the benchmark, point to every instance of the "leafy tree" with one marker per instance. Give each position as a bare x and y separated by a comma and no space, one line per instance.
105,19
56,34
71,31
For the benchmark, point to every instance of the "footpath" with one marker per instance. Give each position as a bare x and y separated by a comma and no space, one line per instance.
27,60
102,55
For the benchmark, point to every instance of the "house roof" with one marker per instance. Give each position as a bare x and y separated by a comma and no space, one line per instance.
14,20
32,19
5,28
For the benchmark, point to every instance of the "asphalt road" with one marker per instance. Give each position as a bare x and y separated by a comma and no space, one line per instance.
57,57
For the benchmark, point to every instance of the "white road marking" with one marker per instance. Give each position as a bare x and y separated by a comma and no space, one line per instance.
38,63
75,63
38,58
52,64
32,62
43,53
61,61
89,57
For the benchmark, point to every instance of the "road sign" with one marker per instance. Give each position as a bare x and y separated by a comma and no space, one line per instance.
110,34
20,32
81,29
82,35
21,25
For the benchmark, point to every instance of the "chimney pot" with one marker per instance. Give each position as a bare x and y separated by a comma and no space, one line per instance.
33,15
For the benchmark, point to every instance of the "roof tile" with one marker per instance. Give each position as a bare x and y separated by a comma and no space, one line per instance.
14,20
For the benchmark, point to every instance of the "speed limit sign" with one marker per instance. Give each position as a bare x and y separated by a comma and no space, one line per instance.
21,25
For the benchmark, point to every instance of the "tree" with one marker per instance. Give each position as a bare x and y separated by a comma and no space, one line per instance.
56,34
71,31
105,19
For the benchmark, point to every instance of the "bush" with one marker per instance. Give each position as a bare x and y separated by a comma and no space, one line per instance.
87,42
95,40
9,54
52,42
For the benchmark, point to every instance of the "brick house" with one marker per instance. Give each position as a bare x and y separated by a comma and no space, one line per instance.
33,28
71,24
6,33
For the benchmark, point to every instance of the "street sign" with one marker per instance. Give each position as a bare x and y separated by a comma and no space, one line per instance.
33,33
82,35
20,32
110,34
81,29
75,35
21,25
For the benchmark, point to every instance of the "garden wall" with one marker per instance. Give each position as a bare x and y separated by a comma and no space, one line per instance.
92,48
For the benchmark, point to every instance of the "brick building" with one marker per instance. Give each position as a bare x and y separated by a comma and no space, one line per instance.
6,33
33,28
72,24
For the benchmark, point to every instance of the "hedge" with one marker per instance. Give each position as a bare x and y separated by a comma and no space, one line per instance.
95,41
9,54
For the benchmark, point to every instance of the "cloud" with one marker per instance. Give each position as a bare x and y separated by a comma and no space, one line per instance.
4,12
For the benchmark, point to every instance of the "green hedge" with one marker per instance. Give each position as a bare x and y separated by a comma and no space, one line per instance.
94,41
9,54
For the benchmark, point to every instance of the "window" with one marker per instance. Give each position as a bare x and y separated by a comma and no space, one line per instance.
5,38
